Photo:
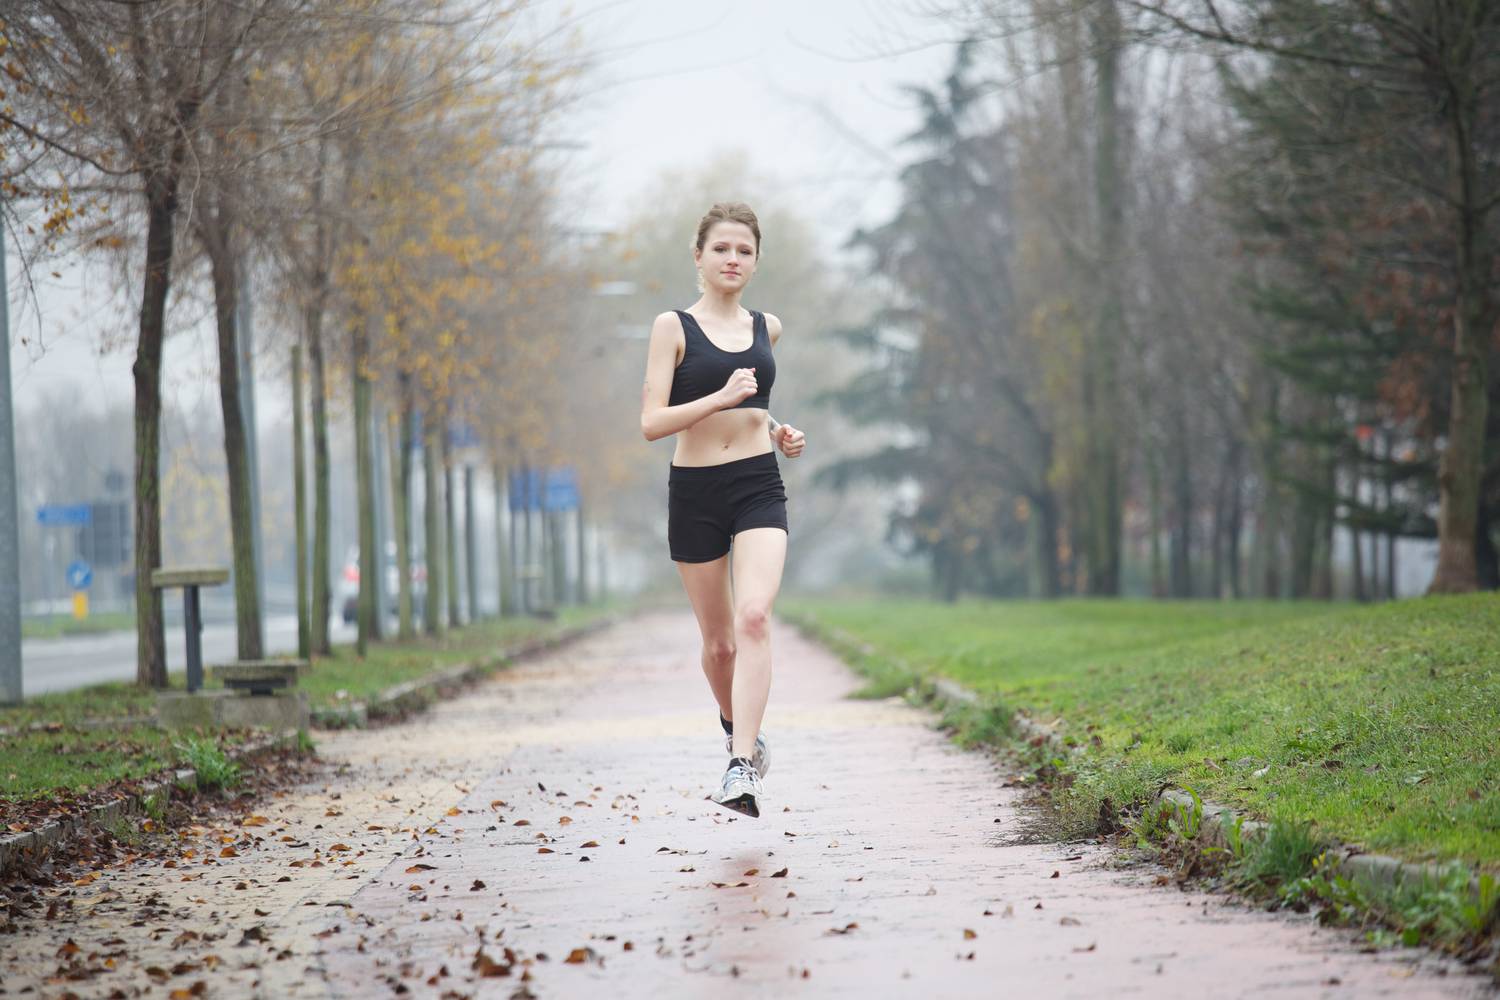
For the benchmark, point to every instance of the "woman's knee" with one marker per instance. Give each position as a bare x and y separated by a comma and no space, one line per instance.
753,620
719,651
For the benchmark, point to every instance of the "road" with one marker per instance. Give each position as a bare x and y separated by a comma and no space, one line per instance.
77,661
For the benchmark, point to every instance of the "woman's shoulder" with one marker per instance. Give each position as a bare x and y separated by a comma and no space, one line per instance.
773,326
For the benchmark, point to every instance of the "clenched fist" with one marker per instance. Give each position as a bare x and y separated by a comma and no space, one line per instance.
740,387
790,440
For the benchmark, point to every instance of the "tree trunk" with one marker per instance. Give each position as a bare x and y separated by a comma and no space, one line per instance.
299,504
450,536
1462,465
1044,542
217,228
322,591
401,443
471,536
1181,545
1153,486
161,209
504,577
371,563
1103,488
582,595
433,612
559,559
1236,523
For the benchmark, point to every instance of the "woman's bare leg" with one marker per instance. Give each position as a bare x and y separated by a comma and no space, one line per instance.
707,586
759,555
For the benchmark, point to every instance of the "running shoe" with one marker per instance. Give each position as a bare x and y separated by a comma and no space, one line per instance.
741,790
762,756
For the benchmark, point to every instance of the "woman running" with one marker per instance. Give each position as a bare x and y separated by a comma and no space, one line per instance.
708,380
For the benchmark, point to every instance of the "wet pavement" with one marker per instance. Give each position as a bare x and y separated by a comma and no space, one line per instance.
548,834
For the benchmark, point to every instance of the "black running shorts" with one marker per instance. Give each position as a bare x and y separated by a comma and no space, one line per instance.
708,505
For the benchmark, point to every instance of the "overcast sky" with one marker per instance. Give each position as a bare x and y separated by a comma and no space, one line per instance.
809,91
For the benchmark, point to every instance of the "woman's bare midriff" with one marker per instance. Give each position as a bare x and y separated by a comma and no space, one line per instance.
725,436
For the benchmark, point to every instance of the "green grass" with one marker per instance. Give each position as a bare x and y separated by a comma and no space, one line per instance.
56,626
344,677
69,757
1377,724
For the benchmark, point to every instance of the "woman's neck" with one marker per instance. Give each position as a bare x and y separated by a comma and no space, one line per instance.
717,304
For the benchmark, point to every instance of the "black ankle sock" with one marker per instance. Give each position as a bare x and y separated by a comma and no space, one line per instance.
741,760
728,726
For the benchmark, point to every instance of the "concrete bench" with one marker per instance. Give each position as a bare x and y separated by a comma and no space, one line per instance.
259,677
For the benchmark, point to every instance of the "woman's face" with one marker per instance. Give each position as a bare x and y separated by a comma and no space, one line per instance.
728,257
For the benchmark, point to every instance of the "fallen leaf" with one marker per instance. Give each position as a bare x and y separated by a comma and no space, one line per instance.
339,848
420,868
454,811
564,820
1055,874
780,874
969,935
1070,922
589,843
1091,946
580,955
256,821
545,850
476,886
851,926
228,852
522,822
752,872
729,885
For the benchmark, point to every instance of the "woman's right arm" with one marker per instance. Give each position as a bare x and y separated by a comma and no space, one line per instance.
659,420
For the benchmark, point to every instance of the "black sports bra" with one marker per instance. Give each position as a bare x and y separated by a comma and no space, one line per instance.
705,367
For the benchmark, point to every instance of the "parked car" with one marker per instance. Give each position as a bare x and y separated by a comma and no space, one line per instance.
348,584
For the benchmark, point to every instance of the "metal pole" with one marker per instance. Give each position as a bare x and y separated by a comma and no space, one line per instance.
10,528
193,625
379,457
246,331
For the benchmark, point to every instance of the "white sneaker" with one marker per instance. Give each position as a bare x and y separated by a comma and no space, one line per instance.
741,790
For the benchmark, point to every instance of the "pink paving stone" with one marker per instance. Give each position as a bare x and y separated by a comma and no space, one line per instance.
894,843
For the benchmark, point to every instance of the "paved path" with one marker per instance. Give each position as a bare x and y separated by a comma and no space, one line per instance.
559,811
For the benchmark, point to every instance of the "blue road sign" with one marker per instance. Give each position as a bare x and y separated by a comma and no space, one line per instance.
544,489
80,575
462,436
55,515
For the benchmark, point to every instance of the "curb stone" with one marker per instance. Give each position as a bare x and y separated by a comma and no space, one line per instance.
418,693
59,832
1352,863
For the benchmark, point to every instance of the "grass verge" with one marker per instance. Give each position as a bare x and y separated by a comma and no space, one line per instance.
72,754
57,626
1362,725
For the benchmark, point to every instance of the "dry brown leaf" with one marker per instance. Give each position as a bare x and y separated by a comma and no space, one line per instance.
969,935
780,874
256,821
589,843
414,869
228,852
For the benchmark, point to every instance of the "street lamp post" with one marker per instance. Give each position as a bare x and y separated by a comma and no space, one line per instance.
10,535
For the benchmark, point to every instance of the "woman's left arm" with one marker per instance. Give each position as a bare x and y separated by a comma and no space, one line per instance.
784,436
